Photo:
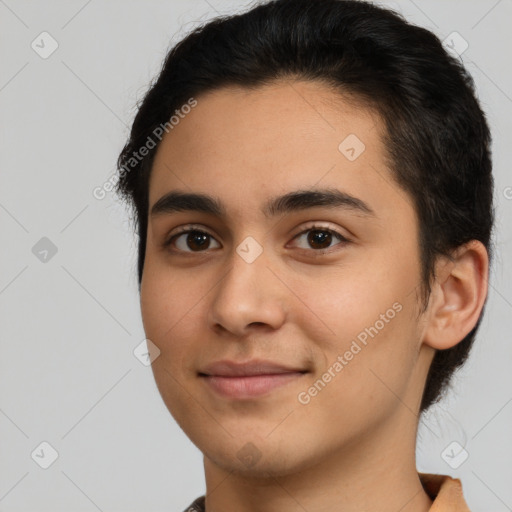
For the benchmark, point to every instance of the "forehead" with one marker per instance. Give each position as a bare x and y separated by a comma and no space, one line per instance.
244,145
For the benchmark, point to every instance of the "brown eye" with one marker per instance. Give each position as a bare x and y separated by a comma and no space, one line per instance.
320,239
192,240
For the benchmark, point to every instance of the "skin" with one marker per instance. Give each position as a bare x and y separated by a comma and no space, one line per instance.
352,447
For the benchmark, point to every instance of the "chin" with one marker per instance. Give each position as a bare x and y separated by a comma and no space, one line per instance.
257,458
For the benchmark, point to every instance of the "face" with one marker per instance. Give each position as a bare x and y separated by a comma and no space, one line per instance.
287,329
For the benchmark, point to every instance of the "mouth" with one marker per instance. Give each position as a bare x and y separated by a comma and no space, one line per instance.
249,386
248,380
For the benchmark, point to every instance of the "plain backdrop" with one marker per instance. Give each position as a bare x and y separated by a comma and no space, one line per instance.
69,311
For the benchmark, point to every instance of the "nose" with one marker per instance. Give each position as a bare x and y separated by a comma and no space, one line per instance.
249,296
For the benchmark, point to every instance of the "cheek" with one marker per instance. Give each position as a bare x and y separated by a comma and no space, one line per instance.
171,303
361,383
337,304
369,352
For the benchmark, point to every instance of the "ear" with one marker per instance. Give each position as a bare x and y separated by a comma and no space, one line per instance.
458,295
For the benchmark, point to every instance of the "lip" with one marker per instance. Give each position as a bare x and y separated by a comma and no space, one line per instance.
226,368
250,379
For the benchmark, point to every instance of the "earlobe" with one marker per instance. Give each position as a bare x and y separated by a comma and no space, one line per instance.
458,296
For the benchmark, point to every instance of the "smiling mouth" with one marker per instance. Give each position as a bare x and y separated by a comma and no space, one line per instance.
249,386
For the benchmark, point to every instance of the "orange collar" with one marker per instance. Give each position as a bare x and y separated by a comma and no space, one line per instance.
445,492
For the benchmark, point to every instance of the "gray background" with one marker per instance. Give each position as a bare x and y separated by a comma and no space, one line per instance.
70,324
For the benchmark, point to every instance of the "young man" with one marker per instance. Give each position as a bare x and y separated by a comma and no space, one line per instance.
311,182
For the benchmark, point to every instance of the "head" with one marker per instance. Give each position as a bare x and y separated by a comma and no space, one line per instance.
296,95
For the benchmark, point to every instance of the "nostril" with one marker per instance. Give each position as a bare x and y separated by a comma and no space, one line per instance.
257,324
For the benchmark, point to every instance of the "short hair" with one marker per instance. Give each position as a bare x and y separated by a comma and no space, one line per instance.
437,140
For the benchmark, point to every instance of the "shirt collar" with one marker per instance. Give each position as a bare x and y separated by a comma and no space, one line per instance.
444,491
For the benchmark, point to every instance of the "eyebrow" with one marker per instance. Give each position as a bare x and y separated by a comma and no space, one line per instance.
179,201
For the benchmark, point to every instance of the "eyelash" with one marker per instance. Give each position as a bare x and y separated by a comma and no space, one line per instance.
318,252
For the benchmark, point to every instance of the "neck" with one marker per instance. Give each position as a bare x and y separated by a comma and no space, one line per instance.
377,473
